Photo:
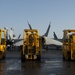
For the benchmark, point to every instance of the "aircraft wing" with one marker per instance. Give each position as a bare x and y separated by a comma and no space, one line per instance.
50,41
18,42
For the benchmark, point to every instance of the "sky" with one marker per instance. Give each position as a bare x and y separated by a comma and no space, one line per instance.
39,13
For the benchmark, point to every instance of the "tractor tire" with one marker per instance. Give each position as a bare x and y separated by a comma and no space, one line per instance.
34,50
68,56
38,57
22,57
26,49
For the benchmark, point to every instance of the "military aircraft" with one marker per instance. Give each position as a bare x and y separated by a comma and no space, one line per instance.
46,41
19,43
11,39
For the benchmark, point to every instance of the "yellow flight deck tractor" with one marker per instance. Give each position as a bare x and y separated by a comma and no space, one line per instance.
69,45
2,43
31,45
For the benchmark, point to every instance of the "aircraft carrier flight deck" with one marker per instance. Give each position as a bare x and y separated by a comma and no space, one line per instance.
51,64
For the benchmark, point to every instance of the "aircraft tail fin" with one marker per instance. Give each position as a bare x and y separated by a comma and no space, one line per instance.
55,36
46,34
19,36
29,25
11,34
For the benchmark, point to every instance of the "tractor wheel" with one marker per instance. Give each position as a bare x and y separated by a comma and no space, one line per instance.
34,50
26,49
22,57
68,56
38,57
